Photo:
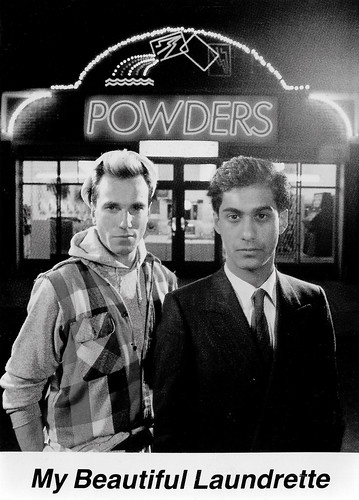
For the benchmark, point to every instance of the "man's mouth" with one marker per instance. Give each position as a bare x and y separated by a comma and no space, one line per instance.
124,236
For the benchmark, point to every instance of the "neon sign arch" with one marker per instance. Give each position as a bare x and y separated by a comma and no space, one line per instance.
179,30
327,99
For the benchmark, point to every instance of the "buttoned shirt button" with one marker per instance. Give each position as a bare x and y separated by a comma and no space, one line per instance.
125,314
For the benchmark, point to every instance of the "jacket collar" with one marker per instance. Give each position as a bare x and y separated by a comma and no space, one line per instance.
224,295
223,300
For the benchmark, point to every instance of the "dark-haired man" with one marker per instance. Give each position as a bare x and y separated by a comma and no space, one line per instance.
244,360
76,378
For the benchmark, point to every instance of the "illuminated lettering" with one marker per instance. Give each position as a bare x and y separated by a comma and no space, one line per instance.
97,112
195,125
257,110
248,119
160,114
124,118
216,116
241,111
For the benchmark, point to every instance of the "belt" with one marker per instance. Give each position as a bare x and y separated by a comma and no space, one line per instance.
136,442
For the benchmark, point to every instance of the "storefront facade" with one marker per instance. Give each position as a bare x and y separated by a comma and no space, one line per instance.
188,99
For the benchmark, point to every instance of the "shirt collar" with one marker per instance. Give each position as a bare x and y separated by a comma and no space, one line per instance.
245,290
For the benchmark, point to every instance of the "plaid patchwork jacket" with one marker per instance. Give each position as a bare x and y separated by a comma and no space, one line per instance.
99,389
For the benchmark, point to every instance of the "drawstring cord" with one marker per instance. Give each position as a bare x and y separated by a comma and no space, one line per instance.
138,283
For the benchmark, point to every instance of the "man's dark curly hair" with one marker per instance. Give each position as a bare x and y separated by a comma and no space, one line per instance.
243,171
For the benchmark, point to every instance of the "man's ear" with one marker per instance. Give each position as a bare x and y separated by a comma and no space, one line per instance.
93,213
216,222
283,221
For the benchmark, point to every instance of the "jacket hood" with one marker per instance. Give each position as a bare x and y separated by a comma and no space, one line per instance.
87,245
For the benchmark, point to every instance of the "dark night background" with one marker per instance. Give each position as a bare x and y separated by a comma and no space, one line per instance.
310,41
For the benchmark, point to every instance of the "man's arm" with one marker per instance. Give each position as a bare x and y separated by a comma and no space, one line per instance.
34,359
30,436
326,407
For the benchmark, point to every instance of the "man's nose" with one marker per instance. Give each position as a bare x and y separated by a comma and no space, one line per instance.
247,229
125,219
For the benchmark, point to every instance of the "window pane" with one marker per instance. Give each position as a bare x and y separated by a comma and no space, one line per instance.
290,169
76,171
165,171
318,175
39,171
69,171
199,172
84,169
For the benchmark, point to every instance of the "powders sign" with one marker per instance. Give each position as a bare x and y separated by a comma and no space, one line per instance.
249,119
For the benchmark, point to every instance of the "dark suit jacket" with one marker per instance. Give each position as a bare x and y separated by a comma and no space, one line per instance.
211,393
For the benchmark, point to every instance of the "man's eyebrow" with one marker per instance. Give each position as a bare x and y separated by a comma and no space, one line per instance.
264,207
255,209
111,204
138,204
115,204
230,209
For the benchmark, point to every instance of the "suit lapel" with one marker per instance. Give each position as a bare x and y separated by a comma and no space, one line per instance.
224,300
236,331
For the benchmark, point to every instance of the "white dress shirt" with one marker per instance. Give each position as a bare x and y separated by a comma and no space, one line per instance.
244,292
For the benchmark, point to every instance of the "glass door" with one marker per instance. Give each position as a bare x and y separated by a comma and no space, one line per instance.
180,230
199,233
159,233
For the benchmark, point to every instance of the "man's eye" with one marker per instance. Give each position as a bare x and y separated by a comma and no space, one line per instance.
233,217
136,209
262,217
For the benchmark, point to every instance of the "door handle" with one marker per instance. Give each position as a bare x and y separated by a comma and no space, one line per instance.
174,225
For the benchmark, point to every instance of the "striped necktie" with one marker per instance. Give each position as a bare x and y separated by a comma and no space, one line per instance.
259,326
